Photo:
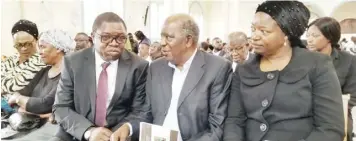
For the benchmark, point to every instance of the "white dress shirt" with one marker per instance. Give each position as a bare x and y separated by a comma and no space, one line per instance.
149,59
112,72
171,120
216,53
234,64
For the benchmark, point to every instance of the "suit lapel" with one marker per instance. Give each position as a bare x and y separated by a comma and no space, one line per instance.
166,83
122,70
90,74
222,53
195,73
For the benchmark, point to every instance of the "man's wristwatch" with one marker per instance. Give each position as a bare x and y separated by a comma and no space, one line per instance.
87,133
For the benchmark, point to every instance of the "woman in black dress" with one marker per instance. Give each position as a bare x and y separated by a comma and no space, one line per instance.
285,92
323,36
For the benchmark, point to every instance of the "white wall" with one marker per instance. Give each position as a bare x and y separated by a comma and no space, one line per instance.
220,17
7,21
66,15
134,15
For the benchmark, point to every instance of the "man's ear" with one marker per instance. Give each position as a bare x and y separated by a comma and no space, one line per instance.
189,41
92,35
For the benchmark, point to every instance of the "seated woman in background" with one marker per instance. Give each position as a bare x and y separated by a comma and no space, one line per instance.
323,36
18,70
284,92
134,44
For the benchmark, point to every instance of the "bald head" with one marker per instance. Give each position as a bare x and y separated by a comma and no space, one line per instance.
188,26
237,38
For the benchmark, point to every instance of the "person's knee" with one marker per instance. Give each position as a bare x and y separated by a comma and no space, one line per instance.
55,139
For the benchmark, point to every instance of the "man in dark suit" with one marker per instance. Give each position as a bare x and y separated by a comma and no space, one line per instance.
102,89
218,47
187,90
239,48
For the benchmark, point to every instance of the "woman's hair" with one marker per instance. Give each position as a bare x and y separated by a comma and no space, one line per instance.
204,46
330,28
139,35
291,16
131,39
211,47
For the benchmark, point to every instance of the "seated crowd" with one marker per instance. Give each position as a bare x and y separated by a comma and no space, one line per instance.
271,86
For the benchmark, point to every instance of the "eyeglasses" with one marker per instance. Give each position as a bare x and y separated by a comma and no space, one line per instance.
81,40
26,45
108,39
237,48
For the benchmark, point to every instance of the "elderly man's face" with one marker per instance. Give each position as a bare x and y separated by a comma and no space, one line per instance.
143,50
154,48
173,42
82,41
218,44
238,50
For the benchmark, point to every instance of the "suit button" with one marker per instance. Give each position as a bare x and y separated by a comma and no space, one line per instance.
165,113
264,103
270,76
263,127
180,114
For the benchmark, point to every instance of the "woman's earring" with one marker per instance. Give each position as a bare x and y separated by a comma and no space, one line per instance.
285,43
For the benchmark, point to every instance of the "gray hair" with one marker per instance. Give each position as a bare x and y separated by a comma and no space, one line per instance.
156,43
188,25
237,36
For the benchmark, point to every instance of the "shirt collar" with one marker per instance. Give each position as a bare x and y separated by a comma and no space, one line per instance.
247,56
99,60
187,63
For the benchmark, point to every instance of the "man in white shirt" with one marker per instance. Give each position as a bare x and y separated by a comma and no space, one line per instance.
143,51
187,89
218,47
239,49
102,89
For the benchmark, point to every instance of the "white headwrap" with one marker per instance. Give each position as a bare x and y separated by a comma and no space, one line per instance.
59,39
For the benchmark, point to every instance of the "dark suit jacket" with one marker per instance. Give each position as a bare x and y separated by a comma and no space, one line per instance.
202,104
300,103
76,94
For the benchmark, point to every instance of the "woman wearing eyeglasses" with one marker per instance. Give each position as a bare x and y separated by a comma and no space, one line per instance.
17,71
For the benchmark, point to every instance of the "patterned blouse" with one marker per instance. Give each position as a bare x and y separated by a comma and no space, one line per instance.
15,77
